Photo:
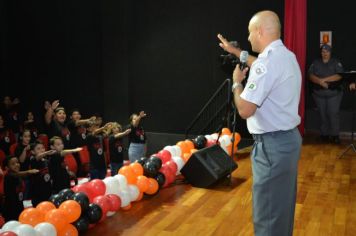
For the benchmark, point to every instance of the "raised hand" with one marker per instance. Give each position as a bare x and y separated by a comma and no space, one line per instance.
55,104
142,114
226,45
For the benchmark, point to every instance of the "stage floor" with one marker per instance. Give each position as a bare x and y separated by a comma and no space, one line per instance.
326,202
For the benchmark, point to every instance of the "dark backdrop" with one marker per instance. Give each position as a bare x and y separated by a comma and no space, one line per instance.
119,56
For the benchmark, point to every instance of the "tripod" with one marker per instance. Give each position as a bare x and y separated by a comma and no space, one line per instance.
350,76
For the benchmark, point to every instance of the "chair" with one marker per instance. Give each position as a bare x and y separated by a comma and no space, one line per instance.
2,158
44,139
70,161
13,148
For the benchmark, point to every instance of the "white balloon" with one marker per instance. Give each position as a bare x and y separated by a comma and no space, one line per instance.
122,181
214,136
45,229
25,230
134,192
180,163
125,198
11,225
112,185
110,213
178,151
2,231
170,149
225,140
209,137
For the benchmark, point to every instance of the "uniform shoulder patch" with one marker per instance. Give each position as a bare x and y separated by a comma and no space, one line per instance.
252,86
260,69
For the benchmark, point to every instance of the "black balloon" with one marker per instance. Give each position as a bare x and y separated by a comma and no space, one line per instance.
160,179
156,161
200,142
94,213
142,160
82,224
66,193
56,199
82,199
149,169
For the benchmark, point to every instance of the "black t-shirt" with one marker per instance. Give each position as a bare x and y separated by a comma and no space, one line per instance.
12,118
61,130
14,189
18,151
41,183
116,149
96,151
58,172
6,139
78,134
137,134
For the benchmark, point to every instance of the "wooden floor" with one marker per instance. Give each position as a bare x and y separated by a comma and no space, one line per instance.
326,203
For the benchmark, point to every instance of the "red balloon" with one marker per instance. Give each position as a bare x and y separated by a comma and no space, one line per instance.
84,188
172,166
164,155
115,202
167,174
2,221
97,186
8,233
104,204
210,143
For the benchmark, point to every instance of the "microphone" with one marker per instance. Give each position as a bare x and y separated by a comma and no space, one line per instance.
243,59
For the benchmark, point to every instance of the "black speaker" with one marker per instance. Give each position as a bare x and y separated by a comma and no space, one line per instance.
207,166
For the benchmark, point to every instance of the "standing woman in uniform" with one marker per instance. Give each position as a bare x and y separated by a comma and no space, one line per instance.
137,137
327,93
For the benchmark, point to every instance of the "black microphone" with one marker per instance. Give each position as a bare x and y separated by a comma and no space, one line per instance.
243,59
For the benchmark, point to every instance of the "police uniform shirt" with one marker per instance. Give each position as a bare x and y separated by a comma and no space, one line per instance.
323,70
274,86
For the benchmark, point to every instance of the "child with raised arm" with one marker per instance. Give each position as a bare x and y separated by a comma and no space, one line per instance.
116,147
41,183
137,137
97,166
57,168
14,188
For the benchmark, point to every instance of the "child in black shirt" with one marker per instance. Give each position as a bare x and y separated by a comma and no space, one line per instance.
57,168
116,148
41,183
7,137
137,137
14,188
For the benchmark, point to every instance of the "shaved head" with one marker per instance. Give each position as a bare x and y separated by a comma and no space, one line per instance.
268,21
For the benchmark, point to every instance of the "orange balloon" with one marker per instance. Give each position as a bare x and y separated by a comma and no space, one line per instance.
193,150
183,146
225,131
128,173
126,208
137,168
72,210
237,139
57,218
31,216
140,196
68,230
229,148
189,144
142,183
45,207
152,187
186,156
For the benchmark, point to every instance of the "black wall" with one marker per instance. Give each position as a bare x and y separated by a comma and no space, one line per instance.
120,56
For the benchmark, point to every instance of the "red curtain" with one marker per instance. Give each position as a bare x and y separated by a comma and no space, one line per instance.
295,19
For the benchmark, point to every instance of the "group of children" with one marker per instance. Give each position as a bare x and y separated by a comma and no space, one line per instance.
35,173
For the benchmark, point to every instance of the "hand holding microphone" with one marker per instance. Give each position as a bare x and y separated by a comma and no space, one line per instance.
241,69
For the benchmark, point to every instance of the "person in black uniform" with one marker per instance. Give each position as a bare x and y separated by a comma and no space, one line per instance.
14,188
55,118
7,137
137,137
327,93
116,147
57,168
41,183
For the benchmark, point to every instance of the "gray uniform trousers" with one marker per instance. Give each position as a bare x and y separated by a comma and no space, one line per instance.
275,158
328,104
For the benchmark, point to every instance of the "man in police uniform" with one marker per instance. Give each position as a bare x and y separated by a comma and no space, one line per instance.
327,93
270,102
